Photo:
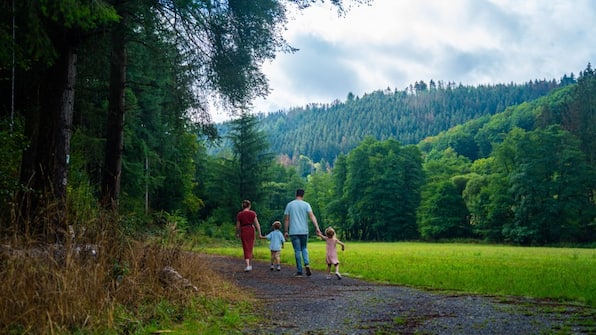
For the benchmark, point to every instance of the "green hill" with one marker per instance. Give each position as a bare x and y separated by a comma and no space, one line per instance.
322,132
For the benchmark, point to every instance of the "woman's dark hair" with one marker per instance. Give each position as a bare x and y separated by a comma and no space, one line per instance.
245,203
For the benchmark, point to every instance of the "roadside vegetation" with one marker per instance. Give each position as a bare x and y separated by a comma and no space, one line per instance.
117,285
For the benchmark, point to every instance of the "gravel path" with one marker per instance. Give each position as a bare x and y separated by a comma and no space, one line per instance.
316,305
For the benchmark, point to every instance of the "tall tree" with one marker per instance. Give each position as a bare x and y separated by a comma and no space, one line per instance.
550,186
580,116
446,215
252,156
440,214
337,208
112,168
319,192
414,180
225,42
358,171
46,46
382,186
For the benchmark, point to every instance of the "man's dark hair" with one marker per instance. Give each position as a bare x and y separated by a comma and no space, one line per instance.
299,192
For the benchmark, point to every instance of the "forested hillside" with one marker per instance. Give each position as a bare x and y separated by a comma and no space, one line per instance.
524,176
505,163
321,132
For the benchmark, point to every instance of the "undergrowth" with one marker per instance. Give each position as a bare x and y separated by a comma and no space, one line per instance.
104,282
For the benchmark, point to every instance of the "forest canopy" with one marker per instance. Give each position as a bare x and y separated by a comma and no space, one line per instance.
104,106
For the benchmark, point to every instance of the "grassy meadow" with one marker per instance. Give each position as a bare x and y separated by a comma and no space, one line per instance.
564,274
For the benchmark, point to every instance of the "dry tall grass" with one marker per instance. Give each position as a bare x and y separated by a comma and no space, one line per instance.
46,289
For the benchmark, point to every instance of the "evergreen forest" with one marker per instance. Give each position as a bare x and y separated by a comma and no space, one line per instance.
507,163
112,168
104,107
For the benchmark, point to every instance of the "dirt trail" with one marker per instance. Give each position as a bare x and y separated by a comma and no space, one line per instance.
316,305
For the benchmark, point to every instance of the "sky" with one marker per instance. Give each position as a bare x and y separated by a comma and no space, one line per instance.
394,43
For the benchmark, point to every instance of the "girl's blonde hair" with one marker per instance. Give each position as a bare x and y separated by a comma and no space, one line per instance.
329,232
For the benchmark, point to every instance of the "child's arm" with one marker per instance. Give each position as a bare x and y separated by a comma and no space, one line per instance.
323,237
343,246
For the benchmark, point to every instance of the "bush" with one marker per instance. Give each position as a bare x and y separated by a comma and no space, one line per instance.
49,289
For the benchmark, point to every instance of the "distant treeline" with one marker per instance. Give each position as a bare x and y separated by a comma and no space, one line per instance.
323,131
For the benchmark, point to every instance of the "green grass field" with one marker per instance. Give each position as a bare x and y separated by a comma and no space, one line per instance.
565,274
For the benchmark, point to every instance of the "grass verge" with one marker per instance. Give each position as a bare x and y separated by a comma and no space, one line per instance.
119,290
562,274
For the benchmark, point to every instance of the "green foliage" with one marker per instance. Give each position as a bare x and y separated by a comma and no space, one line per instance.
486,200
579,117
173,227
246,174
75,13
324,131
213,228
252,157
549,183
442,212
319,192
535,187
445,215
382,188
244,35
40,22
13,143
376,188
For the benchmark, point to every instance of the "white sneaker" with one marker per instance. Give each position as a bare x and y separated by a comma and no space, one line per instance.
338,275
271,267
248,268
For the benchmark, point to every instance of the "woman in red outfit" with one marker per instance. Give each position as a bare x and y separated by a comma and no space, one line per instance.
246,222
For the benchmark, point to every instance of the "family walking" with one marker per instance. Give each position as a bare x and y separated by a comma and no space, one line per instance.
297,213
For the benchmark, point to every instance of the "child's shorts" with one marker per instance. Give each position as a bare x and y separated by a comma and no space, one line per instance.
275,253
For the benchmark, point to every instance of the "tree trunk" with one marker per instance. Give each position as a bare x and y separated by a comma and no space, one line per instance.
115,120
44,166
64,126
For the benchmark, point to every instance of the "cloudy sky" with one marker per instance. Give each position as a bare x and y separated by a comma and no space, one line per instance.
394,43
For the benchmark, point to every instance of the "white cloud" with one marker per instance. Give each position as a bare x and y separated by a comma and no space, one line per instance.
393,43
